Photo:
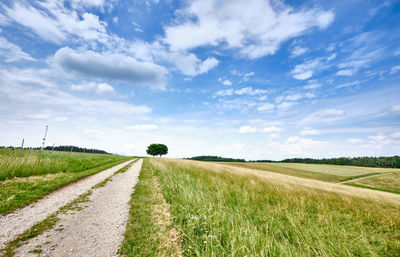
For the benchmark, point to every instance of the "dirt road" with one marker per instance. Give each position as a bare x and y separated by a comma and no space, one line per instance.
23,219
97,229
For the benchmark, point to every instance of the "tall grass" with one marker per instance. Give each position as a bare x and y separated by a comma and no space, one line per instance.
35,162
222,213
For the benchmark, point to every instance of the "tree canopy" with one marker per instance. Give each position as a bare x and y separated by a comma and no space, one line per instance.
157,149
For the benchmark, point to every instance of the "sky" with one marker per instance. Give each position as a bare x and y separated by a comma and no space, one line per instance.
252,79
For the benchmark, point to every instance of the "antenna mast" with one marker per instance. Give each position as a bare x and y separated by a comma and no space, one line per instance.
44,138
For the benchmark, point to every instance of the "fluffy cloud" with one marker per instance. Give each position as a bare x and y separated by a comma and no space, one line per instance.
247,129
55,23
272,129
256,28
312,86
395,109
298,50
306,70
346,72
99,88
37,94
265,107
111,66
11,52
395,69
310,132
227,82
243,91
330,113
354,141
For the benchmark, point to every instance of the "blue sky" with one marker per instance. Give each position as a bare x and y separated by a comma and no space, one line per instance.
250,79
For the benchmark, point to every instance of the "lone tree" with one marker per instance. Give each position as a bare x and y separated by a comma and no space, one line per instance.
157,149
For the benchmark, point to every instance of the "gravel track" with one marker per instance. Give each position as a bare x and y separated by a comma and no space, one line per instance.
95,230
23,219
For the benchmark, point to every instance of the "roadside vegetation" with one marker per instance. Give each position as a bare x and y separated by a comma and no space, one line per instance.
27,178
219,210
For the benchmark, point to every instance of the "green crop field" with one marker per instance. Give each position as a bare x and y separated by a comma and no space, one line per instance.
189,208
323,172
26,178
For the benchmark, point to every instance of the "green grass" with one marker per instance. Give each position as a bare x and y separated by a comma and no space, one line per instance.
384,182
144,234
37,163
19,192
219,213
323,172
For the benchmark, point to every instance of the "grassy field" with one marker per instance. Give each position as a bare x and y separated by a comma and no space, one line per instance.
386,182
35,162
30,177
323,172
219,210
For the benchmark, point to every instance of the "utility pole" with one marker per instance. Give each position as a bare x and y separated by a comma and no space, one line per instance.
44,138
22,146
52,149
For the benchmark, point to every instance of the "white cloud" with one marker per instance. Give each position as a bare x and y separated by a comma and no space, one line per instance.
306,70
310,132
397,52
87,3
354,141
12,53
331,57
37,94
243,91
142,127
265,107
55,23
346,72
272,129
247,129
395,134
330,113
298,96
255,28
188,64
298,50
111,66
395,69
99,88
395,109
286,105
227,82
312,86
348,84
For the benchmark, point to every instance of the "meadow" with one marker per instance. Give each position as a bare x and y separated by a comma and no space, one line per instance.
27,178
383,179
36,162
219,210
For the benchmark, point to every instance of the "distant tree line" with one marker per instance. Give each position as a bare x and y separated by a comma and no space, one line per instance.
215,159
383,162
65,148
